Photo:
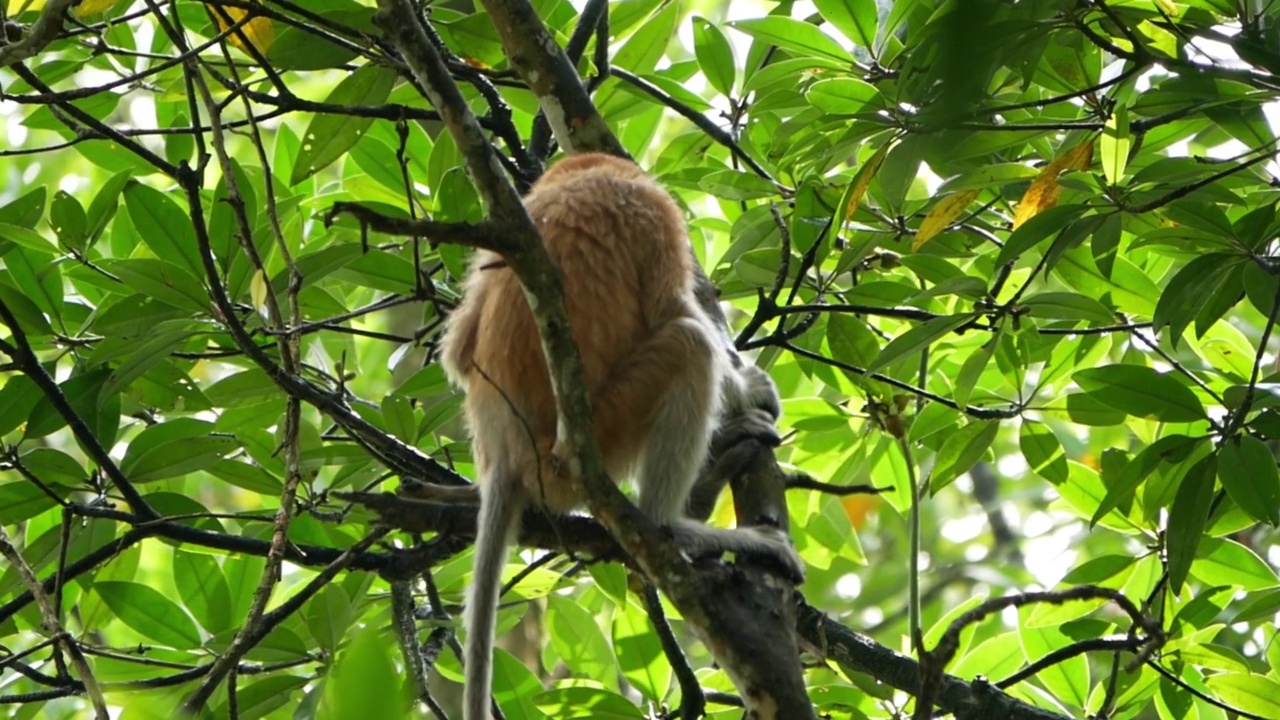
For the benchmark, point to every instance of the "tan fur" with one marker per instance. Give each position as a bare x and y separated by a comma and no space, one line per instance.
654,370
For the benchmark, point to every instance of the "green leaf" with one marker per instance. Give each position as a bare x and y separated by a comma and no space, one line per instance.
577,638
1035,230
1226,562
798,37
204,589
934,418
29,317
987,176
24,237
164,226
917,339
714,54
841,96
1106,242
1068,306
162,280
973,367
149,353
1170,449
26,210
359,686
149,613
1087,409
68,220
1187,292
611,578
1187,519
329,137
639,653
39,278
1043,452
397,414
380,270
18,397
155,435
54,467
642,52
855,19
259,698
587,703
84,394
295,48
735,185
247,387
962,451
1141,392
243,475
1254,694
1068,680
1115,144
105,204
1248,471
20,501
176,458
851,342
329,616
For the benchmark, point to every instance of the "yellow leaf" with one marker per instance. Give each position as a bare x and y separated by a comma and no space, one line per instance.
946,210
1044,190
863,179
1079,157
16,7
259,30
258,291
90,8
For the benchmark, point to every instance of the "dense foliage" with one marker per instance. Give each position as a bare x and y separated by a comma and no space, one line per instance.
1020,254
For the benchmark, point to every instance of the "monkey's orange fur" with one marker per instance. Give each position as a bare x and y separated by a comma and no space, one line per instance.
619,241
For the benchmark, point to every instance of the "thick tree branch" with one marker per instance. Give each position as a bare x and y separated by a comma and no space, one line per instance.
547,70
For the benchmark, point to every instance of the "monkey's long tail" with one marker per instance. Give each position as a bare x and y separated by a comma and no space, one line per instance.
501,504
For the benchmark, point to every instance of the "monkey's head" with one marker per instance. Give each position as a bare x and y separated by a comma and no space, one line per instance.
576,163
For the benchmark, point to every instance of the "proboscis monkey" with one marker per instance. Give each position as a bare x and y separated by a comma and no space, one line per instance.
657,375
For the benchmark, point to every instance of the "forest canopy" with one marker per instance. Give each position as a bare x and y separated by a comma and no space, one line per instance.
1013,267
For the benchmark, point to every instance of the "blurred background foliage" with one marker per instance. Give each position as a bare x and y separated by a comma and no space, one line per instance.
1021,252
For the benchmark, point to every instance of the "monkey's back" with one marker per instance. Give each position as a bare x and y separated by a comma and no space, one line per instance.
621,246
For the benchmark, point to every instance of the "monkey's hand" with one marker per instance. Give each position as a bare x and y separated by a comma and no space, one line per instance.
750,412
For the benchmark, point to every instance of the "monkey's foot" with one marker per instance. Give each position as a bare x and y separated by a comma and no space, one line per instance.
766,544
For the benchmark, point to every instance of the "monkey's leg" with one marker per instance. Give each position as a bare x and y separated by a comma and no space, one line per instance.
669,393
685,416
